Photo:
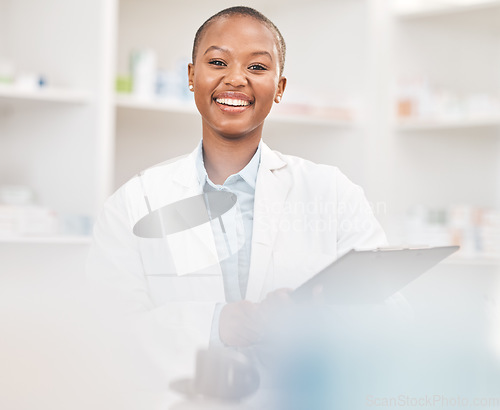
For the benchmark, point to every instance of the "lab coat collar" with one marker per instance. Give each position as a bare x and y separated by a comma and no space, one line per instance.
248,174
186,171
269,159
187,176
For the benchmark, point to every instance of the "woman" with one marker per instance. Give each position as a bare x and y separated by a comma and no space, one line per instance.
295,216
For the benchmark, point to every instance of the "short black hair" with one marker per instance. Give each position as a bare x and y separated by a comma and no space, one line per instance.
244,11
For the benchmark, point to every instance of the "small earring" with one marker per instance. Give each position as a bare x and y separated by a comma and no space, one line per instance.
191,87
278,98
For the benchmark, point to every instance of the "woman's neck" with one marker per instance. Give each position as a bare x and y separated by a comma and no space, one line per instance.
224,157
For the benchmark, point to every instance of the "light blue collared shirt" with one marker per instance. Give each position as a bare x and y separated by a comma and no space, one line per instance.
235,269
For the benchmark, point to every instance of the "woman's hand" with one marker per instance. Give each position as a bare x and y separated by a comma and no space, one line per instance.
240,324
243,323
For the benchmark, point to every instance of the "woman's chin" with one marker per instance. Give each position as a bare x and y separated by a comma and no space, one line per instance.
236,131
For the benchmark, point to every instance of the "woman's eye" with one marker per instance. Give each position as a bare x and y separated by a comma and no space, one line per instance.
257,67
217,63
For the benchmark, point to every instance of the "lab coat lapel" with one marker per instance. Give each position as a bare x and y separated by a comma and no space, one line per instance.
187,182
273,184
185,174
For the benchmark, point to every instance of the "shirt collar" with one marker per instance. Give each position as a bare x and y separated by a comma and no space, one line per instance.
248,173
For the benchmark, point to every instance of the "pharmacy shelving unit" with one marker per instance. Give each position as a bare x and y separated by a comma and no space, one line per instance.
75,141
455,124
437,8
58,139
48,240
454,46
154,104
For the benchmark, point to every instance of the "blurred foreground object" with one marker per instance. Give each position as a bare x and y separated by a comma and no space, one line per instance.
222,374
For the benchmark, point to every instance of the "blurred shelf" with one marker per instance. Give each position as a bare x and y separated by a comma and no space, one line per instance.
416,125
472,261
309,120
58,95
424,11
157,104
49,240
154,104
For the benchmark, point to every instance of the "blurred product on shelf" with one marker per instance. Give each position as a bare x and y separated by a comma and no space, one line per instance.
147,81
169,85
143,67
22,80
7,71
16,195
30,81
476,230
124,84
20,216
173,84
27,220
417,99
75,225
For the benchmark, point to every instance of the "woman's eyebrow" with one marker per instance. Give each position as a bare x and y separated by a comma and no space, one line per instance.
262,53
226,51
217,48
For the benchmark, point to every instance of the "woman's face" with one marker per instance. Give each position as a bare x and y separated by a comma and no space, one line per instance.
236,77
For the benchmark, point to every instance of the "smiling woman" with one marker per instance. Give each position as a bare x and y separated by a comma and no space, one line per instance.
235,76
217,281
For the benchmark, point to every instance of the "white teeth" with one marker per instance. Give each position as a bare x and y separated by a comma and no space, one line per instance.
232,102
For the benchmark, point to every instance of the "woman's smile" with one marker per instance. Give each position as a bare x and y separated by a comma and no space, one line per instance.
233,102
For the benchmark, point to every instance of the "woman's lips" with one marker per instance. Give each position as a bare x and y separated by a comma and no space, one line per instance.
233,102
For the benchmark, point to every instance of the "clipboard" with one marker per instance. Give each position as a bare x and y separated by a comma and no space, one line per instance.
371,276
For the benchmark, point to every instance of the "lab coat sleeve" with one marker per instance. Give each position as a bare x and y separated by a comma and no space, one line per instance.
357,226
173,331
114,268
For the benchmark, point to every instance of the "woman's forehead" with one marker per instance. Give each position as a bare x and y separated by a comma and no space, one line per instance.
239,32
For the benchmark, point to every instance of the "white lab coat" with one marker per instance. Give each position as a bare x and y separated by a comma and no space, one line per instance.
305,216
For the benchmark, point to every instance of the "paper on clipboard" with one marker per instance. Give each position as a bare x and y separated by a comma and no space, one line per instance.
371,276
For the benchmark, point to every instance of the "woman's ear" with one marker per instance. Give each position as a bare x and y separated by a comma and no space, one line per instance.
280,90
191,76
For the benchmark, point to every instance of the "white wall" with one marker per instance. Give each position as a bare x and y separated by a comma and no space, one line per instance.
4,10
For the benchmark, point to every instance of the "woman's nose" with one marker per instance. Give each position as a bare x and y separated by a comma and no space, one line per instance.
235,77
